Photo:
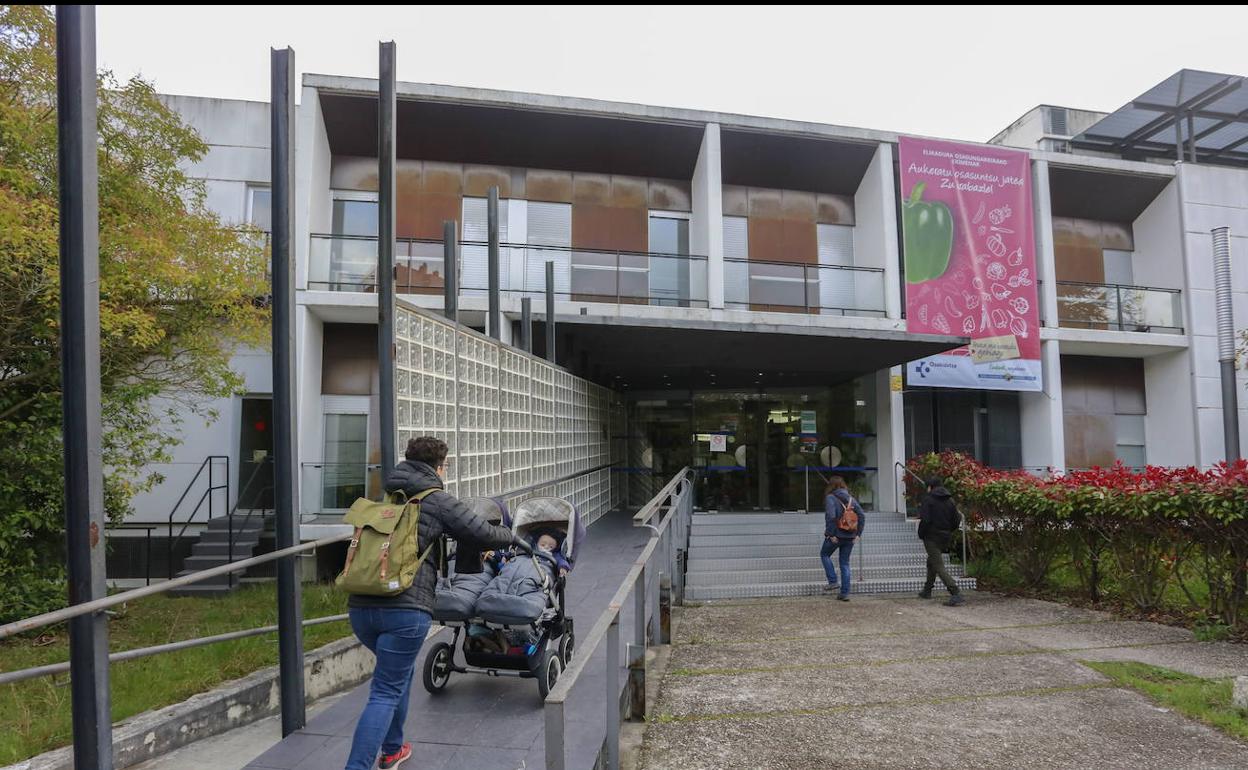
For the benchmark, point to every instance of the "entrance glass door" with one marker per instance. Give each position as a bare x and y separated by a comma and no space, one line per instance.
255,450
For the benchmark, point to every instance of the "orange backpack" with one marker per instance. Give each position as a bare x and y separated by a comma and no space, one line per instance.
849,517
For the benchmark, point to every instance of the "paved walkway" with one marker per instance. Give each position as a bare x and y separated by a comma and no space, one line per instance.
896,682
481,722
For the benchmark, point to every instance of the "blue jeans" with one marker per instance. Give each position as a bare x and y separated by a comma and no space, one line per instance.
846,547
395,637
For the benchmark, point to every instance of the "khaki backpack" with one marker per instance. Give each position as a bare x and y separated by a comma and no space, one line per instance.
384,555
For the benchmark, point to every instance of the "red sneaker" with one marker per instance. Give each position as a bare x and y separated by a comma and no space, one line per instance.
397,758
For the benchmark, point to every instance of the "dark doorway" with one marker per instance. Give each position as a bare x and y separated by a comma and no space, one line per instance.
255,455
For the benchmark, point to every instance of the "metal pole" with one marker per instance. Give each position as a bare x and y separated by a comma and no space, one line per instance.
526,324
612,678
76,119
554,736
450,269
1226,339
385,251
285,473
496,313
1191,138
550,312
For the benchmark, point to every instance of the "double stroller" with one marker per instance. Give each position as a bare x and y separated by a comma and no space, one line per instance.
517,624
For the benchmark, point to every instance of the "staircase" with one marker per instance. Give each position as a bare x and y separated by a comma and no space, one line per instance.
212,549
740,555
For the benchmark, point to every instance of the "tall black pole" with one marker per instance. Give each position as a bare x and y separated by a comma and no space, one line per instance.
285,474
80,381
496,314
550,312
385,252
526,324
450,269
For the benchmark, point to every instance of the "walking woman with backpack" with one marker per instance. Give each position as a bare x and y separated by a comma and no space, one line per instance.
391,583
843,522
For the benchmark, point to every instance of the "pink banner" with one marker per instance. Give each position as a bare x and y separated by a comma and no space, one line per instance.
970,263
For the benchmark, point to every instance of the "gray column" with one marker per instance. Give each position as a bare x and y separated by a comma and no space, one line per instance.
496,315
450,270
285,472
80,372
550,313
385,251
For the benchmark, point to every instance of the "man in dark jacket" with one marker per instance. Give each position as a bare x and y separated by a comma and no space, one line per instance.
938,518
394,627
838,537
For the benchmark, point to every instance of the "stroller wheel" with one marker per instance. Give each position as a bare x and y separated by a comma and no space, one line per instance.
566,644
438,667
552,667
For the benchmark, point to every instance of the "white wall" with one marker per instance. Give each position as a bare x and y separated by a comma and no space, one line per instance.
706,223
890,440
1041,418
237,134
1169,433
313,208
1212,196
310,333
1158,255
200,437
875,226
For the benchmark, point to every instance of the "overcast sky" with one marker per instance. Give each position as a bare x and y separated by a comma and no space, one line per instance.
955,72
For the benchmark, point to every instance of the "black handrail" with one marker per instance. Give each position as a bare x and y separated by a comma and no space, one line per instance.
242,495
207,463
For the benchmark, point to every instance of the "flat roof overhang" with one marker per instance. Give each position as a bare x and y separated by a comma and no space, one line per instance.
658,354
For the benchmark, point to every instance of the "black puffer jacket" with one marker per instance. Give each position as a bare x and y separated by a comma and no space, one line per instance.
938,516
440,514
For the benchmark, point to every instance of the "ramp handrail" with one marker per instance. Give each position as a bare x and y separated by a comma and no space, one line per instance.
655,581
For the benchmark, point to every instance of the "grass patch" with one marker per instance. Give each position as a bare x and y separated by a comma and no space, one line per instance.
35,714
1206,700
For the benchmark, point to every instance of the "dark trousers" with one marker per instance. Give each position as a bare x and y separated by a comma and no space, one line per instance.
936,567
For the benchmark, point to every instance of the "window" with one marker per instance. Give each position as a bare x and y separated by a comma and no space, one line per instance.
1118,267
344,474
353,257
474,266
836,288
736,251
260,208
1129,440
669,276
548,224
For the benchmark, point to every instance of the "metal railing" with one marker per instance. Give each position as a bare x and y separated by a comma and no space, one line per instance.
751,284
349,263
654,582
1119,308
208,464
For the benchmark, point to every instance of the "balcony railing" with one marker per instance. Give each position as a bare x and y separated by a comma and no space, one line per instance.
1119,308
348,263
817,289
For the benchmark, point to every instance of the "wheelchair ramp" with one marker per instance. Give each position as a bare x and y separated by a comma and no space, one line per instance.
741,555
477,722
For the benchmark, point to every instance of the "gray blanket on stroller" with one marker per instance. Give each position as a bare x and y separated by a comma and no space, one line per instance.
457,599
515,597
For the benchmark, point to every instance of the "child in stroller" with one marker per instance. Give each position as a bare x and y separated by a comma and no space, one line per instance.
512,620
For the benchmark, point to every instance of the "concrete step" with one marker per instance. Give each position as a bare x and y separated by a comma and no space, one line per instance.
814,528
241,522
243,548
721,518
793,538
223,535
806,549
761,590
809,561
867,573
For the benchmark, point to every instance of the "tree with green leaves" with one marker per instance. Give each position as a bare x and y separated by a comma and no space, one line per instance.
179,292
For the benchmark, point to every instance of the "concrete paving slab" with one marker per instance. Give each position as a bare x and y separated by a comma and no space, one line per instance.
805,617
984,610
1108,729
1208,660
787,691
1089,635
841,652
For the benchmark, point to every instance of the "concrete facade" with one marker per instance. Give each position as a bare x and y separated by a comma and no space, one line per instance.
1171,250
